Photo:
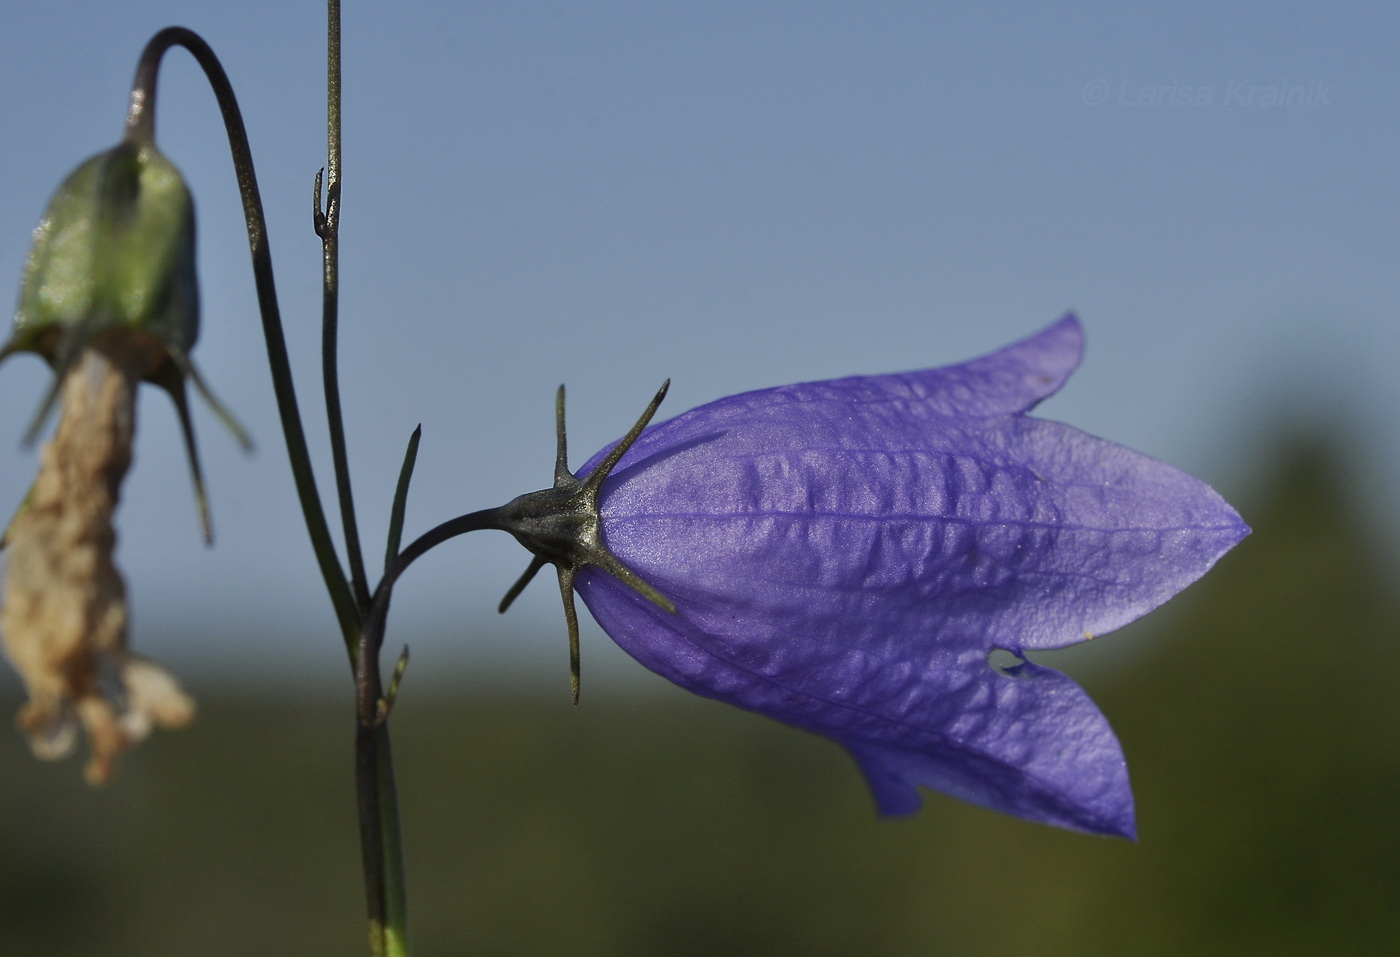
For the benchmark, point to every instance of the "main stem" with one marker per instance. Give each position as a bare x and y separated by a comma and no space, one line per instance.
381,839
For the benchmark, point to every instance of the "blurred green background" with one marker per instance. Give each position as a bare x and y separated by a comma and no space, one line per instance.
1257,712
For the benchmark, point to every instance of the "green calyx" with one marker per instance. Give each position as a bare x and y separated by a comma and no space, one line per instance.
562,526
115,250
114,256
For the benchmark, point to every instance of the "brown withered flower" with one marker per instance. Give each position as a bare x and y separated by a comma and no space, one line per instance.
64,619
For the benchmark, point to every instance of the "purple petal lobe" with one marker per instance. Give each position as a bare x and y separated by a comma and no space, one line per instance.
844,555
1030,743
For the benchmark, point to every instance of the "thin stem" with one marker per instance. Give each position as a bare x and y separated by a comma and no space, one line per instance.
453,527
140,127
328,228
367,674
333,93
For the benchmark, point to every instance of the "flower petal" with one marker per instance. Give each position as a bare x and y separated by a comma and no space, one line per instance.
1008,381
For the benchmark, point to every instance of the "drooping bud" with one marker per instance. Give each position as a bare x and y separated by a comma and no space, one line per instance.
114,251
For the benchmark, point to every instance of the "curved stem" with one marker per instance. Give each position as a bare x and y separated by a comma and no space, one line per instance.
373,637
368,680
140,127
367,675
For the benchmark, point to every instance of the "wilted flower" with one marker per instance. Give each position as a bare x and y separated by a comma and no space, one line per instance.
109,299
846,557
64,619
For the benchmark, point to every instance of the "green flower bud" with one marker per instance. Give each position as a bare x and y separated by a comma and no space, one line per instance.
114,251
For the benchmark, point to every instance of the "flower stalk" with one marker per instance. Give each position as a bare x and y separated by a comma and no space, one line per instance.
560,525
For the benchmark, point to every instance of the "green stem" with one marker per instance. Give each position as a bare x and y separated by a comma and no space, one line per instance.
381,839
141,127
381,844
328,228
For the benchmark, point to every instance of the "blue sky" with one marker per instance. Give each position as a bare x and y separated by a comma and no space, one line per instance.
734,195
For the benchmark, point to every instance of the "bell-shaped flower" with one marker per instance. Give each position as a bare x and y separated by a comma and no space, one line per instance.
871,558
109,299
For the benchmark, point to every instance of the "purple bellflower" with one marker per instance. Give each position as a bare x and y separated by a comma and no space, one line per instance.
846,557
